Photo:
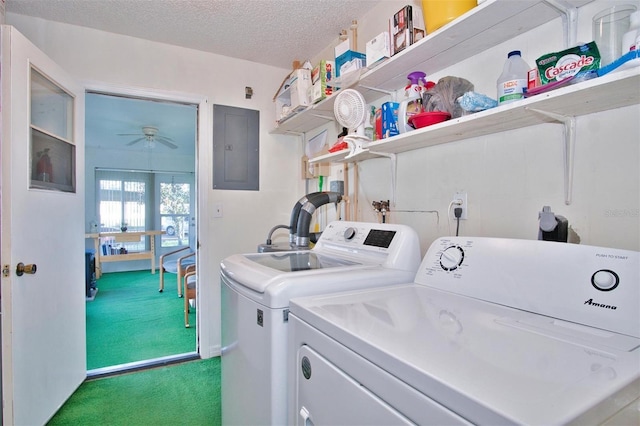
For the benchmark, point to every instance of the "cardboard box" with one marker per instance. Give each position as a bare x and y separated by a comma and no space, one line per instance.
378,48
299,98
321,77
350,61
293,97
341,48
318,92
533,79
390,119
405,28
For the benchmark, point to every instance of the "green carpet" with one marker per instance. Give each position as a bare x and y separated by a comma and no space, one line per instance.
129,320
180,394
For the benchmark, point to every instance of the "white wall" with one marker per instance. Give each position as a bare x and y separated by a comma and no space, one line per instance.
510,176
99,58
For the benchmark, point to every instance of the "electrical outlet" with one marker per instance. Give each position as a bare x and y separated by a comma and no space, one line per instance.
462,196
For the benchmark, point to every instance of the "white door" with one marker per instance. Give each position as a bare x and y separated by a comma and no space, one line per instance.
42,224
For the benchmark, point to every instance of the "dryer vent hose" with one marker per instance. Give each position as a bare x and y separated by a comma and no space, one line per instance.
293,222
306,213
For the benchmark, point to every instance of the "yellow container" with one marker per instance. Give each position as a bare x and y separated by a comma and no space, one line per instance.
440,12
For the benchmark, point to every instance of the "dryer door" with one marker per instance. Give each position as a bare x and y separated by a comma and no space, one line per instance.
327,393
329,396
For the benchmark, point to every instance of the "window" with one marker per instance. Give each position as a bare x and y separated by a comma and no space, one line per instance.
122,200
53,152
144,201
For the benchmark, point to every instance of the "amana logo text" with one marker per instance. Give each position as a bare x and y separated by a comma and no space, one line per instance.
599,305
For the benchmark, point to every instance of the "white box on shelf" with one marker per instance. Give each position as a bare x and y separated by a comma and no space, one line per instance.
293,98
341,48
378,48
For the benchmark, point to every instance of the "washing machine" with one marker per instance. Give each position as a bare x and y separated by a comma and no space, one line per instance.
257,287
491,331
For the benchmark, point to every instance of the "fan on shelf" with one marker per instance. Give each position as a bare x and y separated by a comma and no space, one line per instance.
150,136
350,111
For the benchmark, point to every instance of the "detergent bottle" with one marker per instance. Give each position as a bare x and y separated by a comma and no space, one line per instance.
513,80
411,103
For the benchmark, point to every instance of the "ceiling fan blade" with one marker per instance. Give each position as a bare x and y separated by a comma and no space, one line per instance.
128,134
135,141
165,142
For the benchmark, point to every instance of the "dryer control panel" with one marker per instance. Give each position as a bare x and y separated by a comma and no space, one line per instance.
594,286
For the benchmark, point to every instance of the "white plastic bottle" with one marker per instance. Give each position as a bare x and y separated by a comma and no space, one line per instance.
513,79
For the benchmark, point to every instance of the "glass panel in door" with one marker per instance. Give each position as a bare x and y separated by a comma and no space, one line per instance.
175,212
52,150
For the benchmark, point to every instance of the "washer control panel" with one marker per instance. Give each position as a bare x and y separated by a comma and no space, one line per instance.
588,285
392,245
451,258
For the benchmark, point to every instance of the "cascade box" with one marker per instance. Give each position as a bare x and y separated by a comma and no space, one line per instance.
350,61
405,28
321,77
292,98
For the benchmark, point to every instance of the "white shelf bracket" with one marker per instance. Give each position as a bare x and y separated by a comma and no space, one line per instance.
394,162
569,20
324,117
569,148
377,89
357,146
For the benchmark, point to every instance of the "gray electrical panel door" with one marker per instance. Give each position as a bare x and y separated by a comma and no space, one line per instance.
236,148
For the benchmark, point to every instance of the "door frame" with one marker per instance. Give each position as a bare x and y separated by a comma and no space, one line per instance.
204,319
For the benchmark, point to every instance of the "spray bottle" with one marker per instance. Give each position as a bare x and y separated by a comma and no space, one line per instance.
412,102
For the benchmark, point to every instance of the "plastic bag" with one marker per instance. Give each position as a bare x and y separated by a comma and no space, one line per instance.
443,96
474,102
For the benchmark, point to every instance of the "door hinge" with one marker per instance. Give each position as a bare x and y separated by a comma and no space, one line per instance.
285,315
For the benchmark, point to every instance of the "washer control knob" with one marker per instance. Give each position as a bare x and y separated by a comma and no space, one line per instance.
451,258
349,233
605,280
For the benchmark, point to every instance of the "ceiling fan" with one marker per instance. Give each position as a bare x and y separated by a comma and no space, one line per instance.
150,136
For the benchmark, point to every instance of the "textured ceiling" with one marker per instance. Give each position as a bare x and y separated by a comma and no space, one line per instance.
272,32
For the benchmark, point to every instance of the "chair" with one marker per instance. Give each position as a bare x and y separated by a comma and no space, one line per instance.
189,292
176,265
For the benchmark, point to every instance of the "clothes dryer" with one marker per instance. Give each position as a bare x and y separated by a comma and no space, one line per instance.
257,287
491,331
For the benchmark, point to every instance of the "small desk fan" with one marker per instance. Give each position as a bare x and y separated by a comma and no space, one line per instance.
350,111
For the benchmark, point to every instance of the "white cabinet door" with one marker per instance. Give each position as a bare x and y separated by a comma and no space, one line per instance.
42,224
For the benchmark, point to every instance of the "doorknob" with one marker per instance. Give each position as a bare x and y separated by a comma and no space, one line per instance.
25,269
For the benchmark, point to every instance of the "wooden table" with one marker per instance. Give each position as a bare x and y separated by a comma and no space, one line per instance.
124,237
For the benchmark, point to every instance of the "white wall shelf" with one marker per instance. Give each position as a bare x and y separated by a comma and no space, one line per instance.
561,106
614,90
491,23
